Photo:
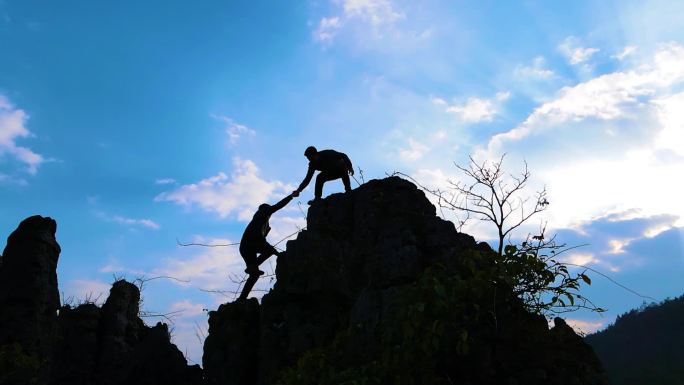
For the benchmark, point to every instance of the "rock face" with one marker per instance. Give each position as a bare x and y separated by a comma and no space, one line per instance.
111,346
86,345
29,297
376,284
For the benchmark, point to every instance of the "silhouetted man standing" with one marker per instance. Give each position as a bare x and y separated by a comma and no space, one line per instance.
331,164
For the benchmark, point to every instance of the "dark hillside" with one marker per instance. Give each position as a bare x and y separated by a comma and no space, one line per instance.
644,346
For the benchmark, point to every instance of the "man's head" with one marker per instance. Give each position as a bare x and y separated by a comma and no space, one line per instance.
310,153
264,206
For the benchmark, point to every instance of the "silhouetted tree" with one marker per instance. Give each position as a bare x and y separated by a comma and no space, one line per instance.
492,195
488,193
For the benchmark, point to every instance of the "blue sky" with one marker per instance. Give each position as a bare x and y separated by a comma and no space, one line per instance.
134,124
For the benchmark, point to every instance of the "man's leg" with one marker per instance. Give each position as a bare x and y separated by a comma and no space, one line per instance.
249,254
325,177
265,253
249,284
345,180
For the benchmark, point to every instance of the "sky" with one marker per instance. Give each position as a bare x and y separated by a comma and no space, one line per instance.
138,125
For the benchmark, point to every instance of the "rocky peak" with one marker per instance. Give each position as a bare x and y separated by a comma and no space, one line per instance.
373,268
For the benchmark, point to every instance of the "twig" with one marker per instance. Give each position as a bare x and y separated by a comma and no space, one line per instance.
167,316
205,245
612,280
295,233
355,180
145,280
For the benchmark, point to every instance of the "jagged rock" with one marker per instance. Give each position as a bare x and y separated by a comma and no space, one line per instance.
342,291
574,346
383,234
46,344
157,361
112,346
29,297
118,332
232,343
76,350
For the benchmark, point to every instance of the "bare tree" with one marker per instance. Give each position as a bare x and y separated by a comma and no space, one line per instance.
494,196
532,268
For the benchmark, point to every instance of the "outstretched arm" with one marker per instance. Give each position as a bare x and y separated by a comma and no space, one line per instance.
280,204
307,179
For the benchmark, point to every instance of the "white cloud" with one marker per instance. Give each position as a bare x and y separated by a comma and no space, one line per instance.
367,19
670,111
584,327
574,52
328,27
627,51
475,109
414,151
439,101
234,130
9,179
588,188
80,290
537,70
240,193
375,11
190,328
187,308
112,268
606,97
283,227
439,134
150,224
209,269
165,181
579,258
617,246
13,127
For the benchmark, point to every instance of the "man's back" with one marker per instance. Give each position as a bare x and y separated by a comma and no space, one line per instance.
254,230
329,161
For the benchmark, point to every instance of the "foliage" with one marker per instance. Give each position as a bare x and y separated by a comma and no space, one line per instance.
426,336
656,329
17,366
541,281
532,268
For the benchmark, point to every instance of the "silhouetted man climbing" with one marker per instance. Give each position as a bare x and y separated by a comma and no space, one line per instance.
331,164
254,242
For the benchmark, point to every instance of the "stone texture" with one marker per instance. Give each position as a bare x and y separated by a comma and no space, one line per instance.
232,342
29,297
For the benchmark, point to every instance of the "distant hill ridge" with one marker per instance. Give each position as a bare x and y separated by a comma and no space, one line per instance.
644,346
